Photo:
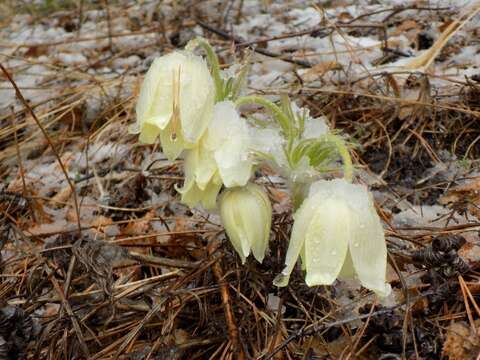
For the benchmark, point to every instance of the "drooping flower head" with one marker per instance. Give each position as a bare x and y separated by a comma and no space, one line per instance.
175,102
221,157
338,232
246,214
229,140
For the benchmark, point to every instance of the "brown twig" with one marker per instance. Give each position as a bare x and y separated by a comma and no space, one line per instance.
358,336
233,332
161,261
71,314
25,191
109,25
237,41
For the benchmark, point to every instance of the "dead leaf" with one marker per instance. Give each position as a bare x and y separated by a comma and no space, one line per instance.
100,222
345,16
320,69
139,228
465,197
470,253
61,197
36,51
409,28
473,185
461,343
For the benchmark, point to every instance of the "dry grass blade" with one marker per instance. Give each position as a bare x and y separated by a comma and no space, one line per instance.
47,137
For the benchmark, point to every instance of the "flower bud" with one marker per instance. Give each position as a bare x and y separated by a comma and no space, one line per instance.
339,233
246,214
175,102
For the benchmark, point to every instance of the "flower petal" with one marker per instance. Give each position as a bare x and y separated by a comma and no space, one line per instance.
156,93
229,138
348,270
246,214
259,213
177,96
236,175
149,133
234,224
197,97
192,195
326,242
205,167
210,193
302,217
369,250
303,258
148,92
172,145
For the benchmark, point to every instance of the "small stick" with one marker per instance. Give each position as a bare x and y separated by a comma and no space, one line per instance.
358,336
233,333
109,25
265,52
71,315
80,17
25,191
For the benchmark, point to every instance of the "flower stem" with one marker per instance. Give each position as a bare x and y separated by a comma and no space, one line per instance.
212,59
276,110
344,153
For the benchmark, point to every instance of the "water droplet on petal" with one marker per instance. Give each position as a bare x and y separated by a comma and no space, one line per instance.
356,244
333,253
362,226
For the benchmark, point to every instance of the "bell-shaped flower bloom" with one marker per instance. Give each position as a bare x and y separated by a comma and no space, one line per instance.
246,214
221,157
175,102
338,233
229,140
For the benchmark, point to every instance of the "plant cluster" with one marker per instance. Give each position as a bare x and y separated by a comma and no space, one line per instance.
191,106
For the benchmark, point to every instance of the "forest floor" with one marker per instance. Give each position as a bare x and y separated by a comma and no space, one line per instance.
100,260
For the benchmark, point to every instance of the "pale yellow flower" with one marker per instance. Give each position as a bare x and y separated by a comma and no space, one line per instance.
246,214
228,139
175,102
221,157
340,234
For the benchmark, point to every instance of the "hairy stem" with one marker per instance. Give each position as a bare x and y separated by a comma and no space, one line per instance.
344,153
212,59
276,110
